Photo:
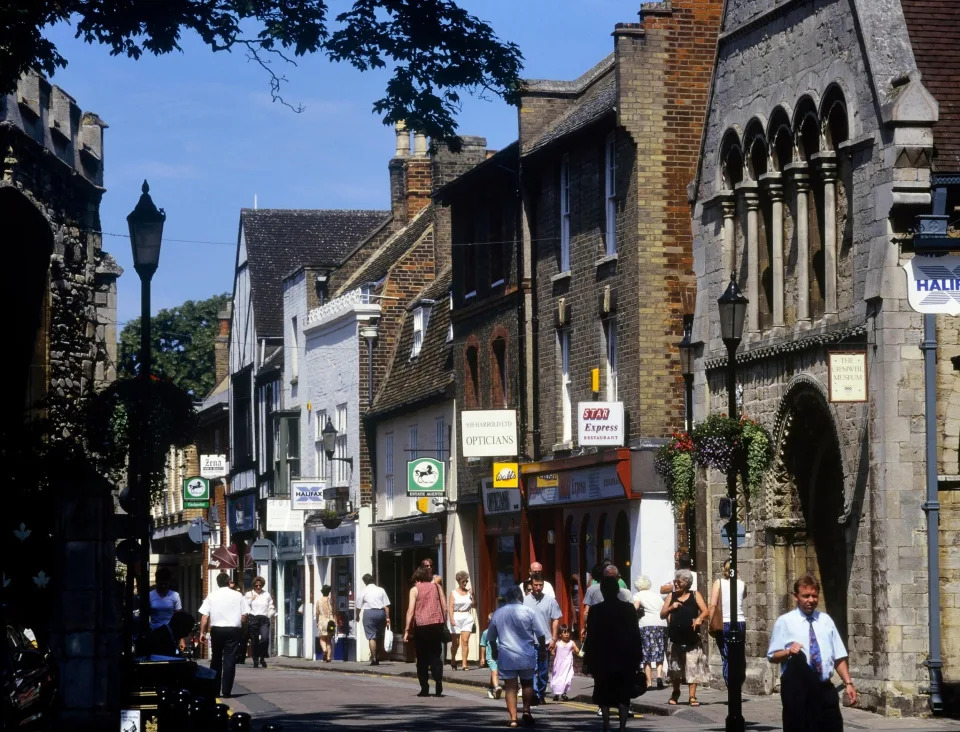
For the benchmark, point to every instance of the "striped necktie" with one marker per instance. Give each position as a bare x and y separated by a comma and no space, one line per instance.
816,661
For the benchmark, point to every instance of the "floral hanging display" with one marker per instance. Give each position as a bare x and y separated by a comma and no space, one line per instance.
674,462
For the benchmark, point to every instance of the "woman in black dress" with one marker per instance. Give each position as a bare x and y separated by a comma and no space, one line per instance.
613,651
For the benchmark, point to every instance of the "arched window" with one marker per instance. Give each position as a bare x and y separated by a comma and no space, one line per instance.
471,386
807,137
498,371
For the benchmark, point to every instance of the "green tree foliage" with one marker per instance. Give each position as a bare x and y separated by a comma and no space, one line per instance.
182,345
433,46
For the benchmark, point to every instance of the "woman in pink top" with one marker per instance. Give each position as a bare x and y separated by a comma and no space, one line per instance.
426,614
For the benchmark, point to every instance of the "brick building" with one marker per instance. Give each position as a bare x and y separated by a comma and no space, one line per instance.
604,165
486,301
830,126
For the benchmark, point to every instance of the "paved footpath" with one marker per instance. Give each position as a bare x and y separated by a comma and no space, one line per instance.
303,695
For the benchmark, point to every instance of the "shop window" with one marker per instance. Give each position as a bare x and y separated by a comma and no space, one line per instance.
604,544
621,543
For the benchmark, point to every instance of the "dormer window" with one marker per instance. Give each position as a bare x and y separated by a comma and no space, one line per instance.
421,314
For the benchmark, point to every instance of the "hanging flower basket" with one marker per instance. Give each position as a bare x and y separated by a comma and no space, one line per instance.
674,462
727,444
330,518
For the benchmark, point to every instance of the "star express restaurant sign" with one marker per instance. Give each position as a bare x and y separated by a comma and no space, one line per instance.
488,432
600,423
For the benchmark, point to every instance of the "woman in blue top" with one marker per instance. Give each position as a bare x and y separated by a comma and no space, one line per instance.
164,602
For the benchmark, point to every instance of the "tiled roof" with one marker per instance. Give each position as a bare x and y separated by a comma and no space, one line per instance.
430,374
280,240
387,255
934,27
594,105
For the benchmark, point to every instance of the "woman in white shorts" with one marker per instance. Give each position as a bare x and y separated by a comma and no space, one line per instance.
461,620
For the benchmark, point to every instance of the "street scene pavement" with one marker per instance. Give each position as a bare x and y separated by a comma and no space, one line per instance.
300,695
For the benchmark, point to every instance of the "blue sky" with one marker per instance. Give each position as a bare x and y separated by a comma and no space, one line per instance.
201,128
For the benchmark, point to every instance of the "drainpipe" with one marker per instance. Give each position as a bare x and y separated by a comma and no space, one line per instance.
931,507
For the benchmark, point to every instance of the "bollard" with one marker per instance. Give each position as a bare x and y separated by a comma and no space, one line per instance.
200,714
272,727
221,718
164,708
179,706
240,722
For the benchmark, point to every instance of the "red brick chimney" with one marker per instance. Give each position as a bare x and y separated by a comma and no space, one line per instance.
410,176
221,345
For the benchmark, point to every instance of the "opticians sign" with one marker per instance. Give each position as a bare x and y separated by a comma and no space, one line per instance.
933,283
600,423
488,432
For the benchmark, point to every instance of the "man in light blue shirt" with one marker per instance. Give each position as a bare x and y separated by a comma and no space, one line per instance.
808,647
517,639
548,612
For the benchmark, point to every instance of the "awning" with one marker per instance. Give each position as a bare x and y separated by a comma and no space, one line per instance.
407,533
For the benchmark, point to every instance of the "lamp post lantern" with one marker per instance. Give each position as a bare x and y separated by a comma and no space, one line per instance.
329,437
146,232
732,306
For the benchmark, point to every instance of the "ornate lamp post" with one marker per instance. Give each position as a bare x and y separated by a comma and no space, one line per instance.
733,308
329,436
146,232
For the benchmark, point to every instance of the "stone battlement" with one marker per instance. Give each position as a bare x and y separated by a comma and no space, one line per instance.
50,116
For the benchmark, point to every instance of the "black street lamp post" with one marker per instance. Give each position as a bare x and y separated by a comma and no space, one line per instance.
146,232
685,347
329,436
733,307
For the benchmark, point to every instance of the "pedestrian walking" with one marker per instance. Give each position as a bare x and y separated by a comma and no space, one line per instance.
548,612
806,644
425,621
495,690
562,674
222,614
460,606
685,611
614,652
517,640
720,597
682,560
326,623
164,601
593,595
262,612
374,604
537,568
653,629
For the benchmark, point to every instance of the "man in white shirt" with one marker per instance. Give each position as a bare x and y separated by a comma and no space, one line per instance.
374,604
223,613
808,647
537,568
258,628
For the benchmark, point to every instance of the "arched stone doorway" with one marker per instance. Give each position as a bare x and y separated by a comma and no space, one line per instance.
24,283
806,503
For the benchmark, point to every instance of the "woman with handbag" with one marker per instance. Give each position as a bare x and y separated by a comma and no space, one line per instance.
685,611
720,616
326,622
426,623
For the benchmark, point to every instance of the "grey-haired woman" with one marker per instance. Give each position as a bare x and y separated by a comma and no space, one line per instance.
653,628
685,611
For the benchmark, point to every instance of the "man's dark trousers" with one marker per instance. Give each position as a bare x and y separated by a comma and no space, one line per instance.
809,704
224,643
540,677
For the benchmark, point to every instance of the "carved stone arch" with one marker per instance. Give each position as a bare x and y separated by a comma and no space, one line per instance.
834,117
780,138
755,151
840,77
806,127
730,160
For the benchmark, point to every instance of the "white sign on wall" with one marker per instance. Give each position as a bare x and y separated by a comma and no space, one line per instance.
600,423
488,432
282,517
213,466
933,283
307,495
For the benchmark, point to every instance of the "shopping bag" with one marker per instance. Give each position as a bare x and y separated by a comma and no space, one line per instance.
388,640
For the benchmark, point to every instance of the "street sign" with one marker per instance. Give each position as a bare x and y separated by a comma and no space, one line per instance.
933,283
425,477
213,466
198,531
741,535
196,492
263,551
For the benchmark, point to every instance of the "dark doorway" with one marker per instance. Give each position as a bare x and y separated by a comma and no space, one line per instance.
621,544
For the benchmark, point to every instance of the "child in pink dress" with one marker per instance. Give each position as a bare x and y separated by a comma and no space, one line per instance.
562,675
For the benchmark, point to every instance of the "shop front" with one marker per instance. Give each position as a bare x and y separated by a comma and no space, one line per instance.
289,593
332,561
582,510
500,519
401,546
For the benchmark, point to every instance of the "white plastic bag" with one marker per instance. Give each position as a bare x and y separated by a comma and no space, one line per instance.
388,640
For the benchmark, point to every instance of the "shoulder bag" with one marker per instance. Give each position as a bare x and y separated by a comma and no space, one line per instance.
716,619
445,635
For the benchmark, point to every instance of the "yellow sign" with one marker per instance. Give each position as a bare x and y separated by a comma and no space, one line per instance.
505,475
548,480
423,505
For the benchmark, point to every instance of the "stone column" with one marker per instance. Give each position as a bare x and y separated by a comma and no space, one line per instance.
827,162
751,198
801,183
729,204
773,185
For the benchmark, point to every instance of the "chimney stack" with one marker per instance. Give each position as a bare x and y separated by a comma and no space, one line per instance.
410,176
221,346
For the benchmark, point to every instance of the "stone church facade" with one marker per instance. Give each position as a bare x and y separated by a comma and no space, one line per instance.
825,135
60,350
